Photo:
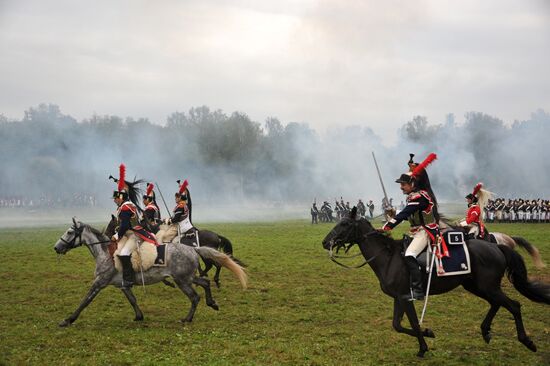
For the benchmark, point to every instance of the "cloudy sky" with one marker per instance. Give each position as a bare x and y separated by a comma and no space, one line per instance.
327,63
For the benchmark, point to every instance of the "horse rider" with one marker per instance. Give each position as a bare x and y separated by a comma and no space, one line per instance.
125,197
421,211
476,205
180,223
151,215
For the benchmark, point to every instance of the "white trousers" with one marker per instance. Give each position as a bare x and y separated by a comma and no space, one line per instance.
419,242
127,244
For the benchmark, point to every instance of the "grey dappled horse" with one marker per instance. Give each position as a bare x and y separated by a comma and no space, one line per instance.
182,264
489,263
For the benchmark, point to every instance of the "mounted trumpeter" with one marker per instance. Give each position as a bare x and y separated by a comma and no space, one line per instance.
477,200
421,211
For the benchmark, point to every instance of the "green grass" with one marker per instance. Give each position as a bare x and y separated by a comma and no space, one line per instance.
300,309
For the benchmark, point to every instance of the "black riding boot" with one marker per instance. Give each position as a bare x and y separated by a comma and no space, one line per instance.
128,274
417,292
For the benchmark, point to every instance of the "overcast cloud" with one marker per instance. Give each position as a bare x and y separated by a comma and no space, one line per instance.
326,63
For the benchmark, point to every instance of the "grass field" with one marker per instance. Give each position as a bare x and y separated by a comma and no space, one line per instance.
300,308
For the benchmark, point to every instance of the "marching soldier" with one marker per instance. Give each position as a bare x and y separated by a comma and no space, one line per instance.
314,214
371,208
421,211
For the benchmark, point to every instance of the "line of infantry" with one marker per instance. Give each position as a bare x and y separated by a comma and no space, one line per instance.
517,210
341,209
136,225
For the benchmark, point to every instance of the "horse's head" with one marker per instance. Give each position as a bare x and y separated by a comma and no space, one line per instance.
110,229
71,239
349,230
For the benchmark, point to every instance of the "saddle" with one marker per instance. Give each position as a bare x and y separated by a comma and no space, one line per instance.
146,257
190,238
458,261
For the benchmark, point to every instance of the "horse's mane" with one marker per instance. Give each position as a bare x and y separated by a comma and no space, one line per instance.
386,239
94,231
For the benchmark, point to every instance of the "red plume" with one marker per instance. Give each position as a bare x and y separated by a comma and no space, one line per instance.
477,188
416,172
122,177
150,187
183,187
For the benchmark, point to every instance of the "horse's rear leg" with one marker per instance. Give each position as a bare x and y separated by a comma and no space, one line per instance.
187,289
398,316
205,284
413,319
486,324
132,299
92,293
514,307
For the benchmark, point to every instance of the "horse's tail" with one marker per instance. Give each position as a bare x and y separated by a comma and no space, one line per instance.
531,249
225,245
517,274
225,261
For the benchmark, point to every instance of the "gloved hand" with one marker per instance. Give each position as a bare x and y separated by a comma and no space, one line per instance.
114,237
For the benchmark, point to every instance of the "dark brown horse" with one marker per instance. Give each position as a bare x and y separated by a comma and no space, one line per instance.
489,262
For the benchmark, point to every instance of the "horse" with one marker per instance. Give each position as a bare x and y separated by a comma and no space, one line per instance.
489,262
208,239
182,263
502,239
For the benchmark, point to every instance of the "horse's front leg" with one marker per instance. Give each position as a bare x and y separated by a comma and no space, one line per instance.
398,312
413,319
132,299
98,285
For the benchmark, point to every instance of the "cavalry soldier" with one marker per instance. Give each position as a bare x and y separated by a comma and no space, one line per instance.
180,223
151,215
476,204
125,197
421,211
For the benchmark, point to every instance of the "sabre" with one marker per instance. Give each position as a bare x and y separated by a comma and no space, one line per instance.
163,201
381,182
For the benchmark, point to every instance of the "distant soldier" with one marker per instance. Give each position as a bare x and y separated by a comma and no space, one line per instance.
361,208
314,214
370,205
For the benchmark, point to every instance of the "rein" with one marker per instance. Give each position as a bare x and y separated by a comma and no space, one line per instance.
333,256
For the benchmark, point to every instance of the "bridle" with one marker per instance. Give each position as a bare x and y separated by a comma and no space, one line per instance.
78,235
355,228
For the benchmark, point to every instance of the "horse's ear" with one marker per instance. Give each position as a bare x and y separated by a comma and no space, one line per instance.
353,213
113,217
74,221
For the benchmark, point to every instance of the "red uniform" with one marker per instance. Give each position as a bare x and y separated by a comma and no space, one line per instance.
473,216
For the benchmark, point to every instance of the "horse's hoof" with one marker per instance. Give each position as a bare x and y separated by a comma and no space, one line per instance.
138,318
217,284
429,333
531,345
65,323
421,353
186,320
214,306
487,337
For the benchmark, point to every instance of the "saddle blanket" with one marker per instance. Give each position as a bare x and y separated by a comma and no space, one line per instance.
150,255
458,261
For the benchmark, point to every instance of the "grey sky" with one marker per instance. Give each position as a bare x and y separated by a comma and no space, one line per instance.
328,63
